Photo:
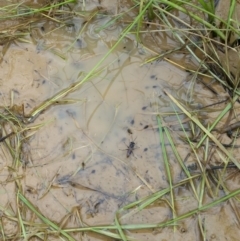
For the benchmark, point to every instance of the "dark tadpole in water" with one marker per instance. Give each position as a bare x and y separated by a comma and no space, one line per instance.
71,113
64,180
80,43
129,131
145,127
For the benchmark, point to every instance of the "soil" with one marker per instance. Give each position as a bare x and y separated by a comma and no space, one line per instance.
78,166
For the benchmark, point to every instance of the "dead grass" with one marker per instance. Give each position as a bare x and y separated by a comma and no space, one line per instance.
16,129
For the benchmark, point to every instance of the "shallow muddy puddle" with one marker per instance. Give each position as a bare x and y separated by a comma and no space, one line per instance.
98,148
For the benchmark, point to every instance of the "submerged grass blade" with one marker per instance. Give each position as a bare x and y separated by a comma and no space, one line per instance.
206,131
20,221
77,84
221,115
193,212
44,219
144,202
180,161
121,233
104,232
166,163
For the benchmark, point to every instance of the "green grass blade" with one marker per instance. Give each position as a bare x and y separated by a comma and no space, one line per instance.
196,211
166,163
194,16
44,219
31,11
180,161
221,115
78,83
206,131
20,221
121,233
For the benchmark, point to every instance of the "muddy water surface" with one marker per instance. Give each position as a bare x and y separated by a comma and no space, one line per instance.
98,148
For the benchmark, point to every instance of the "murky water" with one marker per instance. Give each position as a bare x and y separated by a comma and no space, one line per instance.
79,161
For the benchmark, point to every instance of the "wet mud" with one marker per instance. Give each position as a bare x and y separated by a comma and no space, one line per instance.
98,148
